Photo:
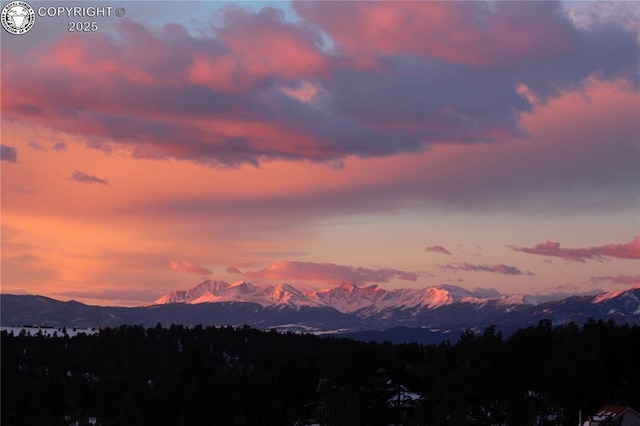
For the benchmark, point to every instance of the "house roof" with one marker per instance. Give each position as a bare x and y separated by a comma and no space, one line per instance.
611,411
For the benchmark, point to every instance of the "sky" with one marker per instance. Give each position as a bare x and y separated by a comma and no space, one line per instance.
489,145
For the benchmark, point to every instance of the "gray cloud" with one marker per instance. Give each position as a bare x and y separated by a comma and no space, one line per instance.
37,147
498,269
8,153
83,177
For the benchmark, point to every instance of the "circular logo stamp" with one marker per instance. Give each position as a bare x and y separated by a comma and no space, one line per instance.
18,17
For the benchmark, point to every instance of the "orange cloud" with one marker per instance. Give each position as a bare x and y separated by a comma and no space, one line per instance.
190,267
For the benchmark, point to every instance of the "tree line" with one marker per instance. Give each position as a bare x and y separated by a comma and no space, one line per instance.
177,375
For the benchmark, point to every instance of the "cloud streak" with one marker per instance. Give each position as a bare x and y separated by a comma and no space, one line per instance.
438,249
498,269
617,279
82,177
630,250
328,273
118,294
37,147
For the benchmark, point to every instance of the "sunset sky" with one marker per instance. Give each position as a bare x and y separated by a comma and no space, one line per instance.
490,145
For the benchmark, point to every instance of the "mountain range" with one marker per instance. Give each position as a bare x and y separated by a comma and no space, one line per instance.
426,315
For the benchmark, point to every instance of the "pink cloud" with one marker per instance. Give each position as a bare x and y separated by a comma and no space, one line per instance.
436,72
469,33
438,249
258,46
233,270
618,279
328,273
189,267
498,269
630,250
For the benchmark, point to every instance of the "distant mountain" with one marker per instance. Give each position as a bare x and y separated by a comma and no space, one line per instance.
202,289
219,291
20,310
346,298
371,313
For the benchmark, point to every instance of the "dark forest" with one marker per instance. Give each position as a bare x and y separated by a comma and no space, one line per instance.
130,375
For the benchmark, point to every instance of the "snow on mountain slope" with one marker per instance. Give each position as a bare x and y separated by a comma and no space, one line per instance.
237,292
241,291
613,294
518,299
433,297
621,301
371,300
440,309
348,298
345,298
188,296
285,295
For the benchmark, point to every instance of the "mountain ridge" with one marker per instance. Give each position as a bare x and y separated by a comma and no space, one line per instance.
426,316
346,297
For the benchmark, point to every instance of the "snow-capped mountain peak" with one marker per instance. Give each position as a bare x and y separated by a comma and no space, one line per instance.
283,295
443,295
346,298
620,301
613,294
518,299
349,298
436,311
371,300
188,296
240,291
